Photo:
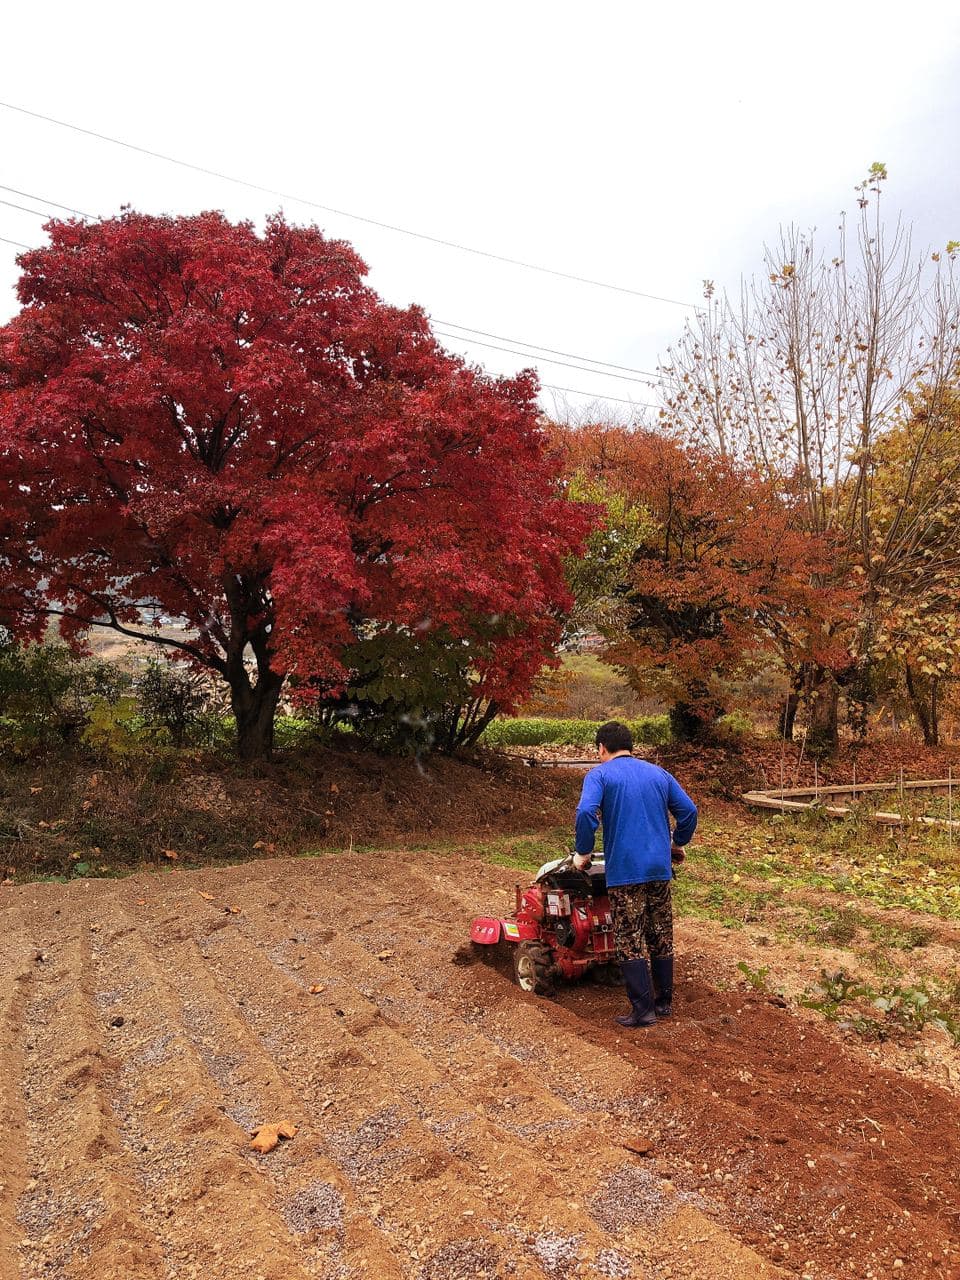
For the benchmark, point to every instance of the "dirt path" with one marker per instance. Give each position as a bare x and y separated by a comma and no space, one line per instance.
449,1127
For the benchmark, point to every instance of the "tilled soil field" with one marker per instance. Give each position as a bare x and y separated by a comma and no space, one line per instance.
447,1126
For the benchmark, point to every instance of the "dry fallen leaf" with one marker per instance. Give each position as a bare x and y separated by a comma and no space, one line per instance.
171,854
141,902
207,897
268,1135
334,789
35,791
160,1106
234,911
317,988
385,955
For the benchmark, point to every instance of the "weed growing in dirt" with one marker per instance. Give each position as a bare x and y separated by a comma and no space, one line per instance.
920,872
836,927
903,1008
756,977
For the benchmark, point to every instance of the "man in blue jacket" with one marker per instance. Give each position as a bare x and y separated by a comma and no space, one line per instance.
635,799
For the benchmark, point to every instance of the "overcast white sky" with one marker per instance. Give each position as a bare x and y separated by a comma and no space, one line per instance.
625,142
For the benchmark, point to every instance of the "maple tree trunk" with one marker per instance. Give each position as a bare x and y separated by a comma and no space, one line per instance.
254,708
695,720
788,716
923,694
823,735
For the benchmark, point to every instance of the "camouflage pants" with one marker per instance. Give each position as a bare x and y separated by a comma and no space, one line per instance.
642,920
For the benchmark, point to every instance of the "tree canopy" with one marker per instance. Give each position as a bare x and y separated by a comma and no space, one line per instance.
233,429
707,568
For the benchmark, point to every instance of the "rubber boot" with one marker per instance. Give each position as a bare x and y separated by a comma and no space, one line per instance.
662,967
636,978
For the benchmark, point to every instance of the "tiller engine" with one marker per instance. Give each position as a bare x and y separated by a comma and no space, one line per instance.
562,927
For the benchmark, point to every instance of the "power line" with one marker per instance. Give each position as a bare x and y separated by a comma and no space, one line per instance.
43,200
546,385
37,213
574,355
342,213
534,355
473,342
636,404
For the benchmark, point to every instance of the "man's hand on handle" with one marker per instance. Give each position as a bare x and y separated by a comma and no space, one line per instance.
677,854
582,860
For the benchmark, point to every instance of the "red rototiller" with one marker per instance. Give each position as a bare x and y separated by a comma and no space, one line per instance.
562,926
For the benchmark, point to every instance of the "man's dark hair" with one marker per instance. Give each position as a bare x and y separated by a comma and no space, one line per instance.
614,736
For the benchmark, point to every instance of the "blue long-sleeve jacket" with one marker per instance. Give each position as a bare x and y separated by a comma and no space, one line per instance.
633,798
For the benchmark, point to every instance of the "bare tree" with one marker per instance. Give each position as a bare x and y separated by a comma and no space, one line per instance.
801,377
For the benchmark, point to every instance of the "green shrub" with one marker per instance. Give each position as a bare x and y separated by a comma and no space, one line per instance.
736,724
173,699
46,692
116,734
36,682
521,732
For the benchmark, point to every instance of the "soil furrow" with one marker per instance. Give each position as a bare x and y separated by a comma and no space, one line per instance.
18,959
411,1173
78,1212
206,1198
318,1204
450,1126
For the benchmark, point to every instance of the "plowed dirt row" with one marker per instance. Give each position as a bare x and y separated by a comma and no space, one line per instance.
447,1125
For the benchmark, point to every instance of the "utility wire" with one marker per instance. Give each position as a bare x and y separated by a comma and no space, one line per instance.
42,200
636,404
574,355
467,341
473,342
37,213
572,391
342,213
534,355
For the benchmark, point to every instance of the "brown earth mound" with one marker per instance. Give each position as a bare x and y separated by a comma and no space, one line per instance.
60,813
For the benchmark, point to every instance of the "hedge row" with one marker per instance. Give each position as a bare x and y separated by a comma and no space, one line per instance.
653,730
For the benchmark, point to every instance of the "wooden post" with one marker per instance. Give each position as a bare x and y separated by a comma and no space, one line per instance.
950,808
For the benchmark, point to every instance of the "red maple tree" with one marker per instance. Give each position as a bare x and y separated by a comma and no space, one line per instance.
234,429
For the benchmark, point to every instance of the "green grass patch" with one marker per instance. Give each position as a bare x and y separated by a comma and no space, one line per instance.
542,731
590,667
